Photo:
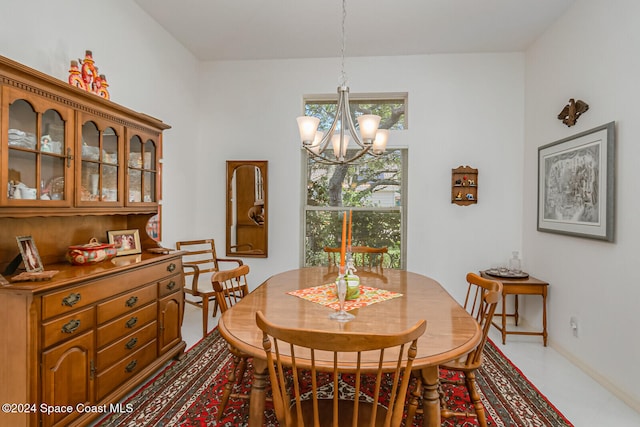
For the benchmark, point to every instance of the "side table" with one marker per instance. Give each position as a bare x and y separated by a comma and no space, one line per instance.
526,286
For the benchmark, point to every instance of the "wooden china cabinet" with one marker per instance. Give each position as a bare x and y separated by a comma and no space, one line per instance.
73,166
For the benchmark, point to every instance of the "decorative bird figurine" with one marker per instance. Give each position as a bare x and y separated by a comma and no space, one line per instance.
570,113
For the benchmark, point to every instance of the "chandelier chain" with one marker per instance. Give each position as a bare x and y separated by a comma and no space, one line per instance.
343,76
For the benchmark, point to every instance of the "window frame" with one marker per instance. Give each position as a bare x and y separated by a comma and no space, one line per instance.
402,209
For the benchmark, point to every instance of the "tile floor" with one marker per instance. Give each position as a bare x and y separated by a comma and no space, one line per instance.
583,401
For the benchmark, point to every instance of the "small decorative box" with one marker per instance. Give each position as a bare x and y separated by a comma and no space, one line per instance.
91,253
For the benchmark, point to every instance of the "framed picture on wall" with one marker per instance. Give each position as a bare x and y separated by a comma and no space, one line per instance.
29,252
576,184
127,241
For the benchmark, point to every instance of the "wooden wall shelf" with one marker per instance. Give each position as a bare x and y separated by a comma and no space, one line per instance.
464,186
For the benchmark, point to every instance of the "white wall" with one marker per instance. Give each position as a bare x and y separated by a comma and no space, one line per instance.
147,71
463,110
591,53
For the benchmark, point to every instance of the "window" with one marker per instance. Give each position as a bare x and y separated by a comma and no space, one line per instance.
373,188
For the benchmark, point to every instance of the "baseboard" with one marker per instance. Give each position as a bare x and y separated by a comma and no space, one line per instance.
600,379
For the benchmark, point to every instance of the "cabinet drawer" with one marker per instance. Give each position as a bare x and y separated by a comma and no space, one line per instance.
67,327
126,346
170,285
128,302
65,301
126,324
126,369
161,270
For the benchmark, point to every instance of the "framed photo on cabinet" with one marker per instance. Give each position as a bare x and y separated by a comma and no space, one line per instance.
29,252
127,241
576,184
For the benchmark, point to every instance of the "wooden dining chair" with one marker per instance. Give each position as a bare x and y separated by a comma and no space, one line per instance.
199,263
303,358
363,256
480,302
231,286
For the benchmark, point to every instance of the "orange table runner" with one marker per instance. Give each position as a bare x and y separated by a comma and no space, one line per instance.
326,295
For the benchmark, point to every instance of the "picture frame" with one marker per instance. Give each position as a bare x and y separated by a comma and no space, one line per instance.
576,184
127,241
30,256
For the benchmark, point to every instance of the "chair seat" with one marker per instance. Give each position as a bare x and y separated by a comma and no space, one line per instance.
345,409
204,288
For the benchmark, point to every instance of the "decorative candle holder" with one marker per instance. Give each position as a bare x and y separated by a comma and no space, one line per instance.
341,290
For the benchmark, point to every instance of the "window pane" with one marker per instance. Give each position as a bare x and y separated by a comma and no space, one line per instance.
370,228
374,182
392,111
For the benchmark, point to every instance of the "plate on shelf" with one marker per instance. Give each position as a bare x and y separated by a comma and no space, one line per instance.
508,274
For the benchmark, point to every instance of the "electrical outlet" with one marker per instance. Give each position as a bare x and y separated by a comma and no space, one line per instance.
573,322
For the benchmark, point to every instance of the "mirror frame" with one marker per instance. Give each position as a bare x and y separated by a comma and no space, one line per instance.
232,165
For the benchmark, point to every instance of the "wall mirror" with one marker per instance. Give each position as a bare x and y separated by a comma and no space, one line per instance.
247,223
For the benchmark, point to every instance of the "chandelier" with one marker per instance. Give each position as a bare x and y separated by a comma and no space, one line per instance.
371,139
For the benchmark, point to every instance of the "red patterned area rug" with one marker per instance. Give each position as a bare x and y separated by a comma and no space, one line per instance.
187,393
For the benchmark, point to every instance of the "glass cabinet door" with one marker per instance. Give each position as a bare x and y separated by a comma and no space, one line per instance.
38,153
99,177
142,170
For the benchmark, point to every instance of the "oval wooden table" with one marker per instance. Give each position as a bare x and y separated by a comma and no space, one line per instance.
451,331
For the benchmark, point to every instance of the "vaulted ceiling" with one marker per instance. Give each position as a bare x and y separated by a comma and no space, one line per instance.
280,29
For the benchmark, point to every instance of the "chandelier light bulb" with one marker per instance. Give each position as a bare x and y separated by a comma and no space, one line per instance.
307,126
380,143
368,124
335,140
315,145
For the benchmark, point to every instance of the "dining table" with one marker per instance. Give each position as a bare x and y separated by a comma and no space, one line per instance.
390,301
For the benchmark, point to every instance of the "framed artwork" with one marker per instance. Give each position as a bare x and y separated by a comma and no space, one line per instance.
127,241
576,184
29,252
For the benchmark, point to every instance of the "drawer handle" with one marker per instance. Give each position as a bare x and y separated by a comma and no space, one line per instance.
71,327
171,285
171,267
131,301
132,322
132,343
71,300
131,366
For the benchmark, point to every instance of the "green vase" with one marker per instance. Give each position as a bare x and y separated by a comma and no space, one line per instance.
353,286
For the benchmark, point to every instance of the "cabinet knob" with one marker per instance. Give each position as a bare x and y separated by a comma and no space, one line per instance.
171,267
71,327
132,322
131,366
131,301
71,300
171,285
132,343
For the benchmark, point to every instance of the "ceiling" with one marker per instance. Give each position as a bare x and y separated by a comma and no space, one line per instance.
283,29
